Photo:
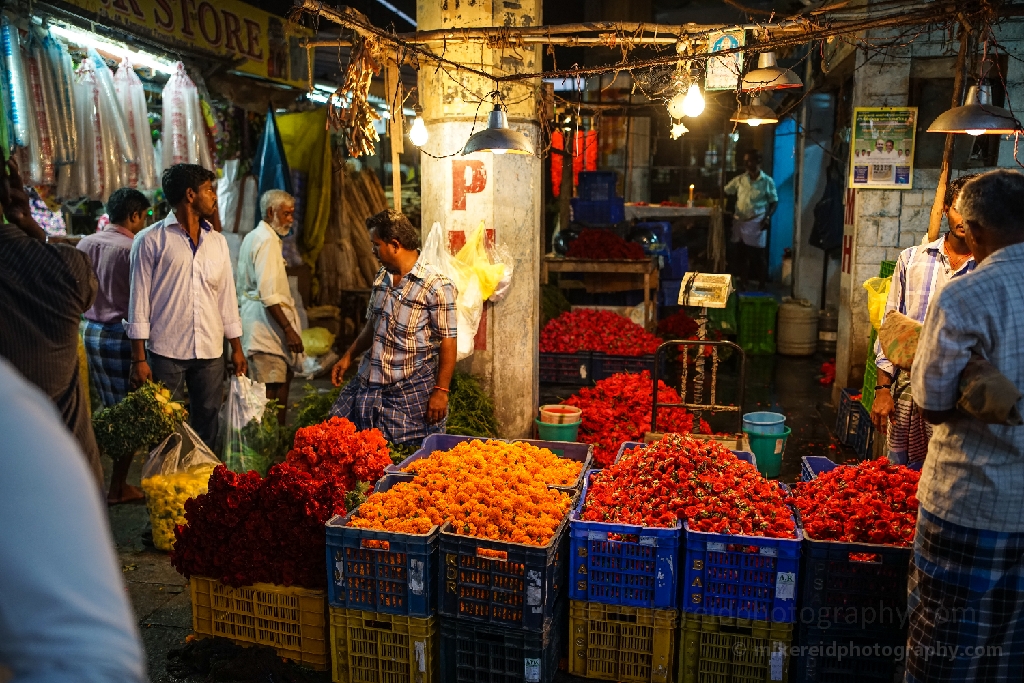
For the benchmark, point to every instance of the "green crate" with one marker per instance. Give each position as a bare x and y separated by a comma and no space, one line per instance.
719,649
757,324
621,643
867,392
374,646
886,269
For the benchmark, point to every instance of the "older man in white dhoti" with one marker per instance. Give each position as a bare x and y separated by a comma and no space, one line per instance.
271,332
756,200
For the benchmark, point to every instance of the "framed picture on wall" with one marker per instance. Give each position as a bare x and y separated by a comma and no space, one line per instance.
882,149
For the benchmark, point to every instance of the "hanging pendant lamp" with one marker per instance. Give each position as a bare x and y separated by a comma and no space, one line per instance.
978,116
498,137
755,113
769,76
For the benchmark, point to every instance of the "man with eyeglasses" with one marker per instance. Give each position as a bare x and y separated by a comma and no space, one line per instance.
920,274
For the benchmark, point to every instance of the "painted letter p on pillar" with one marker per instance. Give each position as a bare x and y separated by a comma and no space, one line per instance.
468,177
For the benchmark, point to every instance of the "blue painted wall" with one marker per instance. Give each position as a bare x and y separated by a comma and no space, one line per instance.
784,174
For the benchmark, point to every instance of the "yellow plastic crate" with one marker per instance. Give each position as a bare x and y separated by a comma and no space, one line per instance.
620,643
374,647
290,620
730,650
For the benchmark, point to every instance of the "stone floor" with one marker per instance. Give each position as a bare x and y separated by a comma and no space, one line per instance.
160,596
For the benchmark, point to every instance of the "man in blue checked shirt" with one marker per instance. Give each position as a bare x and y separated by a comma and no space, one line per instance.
409,341
967,575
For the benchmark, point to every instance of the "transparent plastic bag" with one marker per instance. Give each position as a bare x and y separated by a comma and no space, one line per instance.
184,127
469,301
878,293
176,470
249,444
136,119
500,254
472,259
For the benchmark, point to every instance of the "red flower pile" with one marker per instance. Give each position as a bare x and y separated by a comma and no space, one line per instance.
872,502
590,330
335,451
700,482
618,409
604,245
248,529
678,326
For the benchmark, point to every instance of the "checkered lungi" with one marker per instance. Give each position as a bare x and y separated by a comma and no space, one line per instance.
398,410
909,433
966,604
109,352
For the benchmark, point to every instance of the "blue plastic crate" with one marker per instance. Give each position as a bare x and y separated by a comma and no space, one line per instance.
853,423
662,230
668,293
678,264
813,465
381,571
747,577
597,186
623,564
604,365
565,368
502,583
828,657
580,452
607,212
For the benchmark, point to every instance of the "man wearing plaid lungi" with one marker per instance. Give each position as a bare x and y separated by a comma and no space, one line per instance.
410,335
107,347
967,578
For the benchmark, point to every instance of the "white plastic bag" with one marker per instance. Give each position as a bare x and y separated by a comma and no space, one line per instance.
176,470
243,446
469,303
184,128
132,96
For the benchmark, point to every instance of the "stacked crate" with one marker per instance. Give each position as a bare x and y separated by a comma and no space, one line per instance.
857,594
382,602
624,598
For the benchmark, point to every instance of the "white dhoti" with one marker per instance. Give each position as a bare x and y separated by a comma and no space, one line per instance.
749,232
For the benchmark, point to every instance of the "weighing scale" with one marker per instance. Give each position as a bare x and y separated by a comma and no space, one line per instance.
706,290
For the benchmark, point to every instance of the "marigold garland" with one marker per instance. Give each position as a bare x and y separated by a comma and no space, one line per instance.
487,489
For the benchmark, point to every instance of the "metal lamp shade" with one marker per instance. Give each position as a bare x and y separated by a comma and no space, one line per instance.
755,111
769,76
977,116
498,137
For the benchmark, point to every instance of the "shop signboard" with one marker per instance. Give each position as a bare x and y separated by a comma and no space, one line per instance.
723,72
261,43
882,148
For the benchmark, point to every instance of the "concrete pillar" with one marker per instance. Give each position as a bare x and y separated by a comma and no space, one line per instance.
502,191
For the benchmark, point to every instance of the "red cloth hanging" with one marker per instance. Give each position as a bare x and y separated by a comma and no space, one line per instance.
584,157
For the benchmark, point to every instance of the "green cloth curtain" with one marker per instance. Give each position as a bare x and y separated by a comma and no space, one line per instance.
307,147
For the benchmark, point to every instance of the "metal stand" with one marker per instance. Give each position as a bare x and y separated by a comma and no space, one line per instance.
697,406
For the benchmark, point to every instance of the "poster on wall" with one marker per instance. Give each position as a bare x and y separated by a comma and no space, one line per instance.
723,72
882,148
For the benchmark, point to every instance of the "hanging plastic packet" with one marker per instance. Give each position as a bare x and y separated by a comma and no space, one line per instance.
89,174
17,84
184,132
118,154
43,115
64,85
132,97
176,470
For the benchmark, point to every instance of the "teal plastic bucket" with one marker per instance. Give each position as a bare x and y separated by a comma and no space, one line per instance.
768,449
764,423
552,432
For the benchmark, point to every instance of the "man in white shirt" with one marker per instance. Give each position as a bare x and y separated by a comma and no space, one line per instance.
756,199
183,302
271,336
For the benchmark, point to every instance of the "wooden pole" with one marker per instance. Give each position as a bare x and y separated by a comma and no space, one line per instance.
393,89
935,219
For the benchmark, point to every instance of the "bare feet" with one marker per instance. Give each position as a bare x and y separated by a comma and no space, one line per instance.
127,494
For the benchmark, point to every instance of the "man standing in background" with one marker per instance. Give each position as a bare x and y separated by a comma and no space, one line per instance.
107,347
183,301
44,289
756,200
271,332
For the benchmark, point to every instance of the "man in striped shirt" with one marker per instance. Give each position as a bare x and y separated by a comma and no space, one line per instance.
410,335
921,272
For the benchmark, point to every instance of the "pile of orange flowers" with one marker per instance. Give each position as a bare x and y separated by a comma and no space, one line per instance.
487,489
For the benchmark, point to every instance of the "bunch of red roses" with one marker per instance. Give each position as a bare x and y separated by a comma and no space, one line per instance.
872,502
247,529
335,451
590,330
618,409
700,482
603,245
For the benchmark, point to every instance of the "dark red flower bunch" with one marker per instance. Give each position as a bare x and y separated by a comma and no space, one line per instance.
678,326
335,451
872,502
247,530
700,482
618,409
604,245
589,330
